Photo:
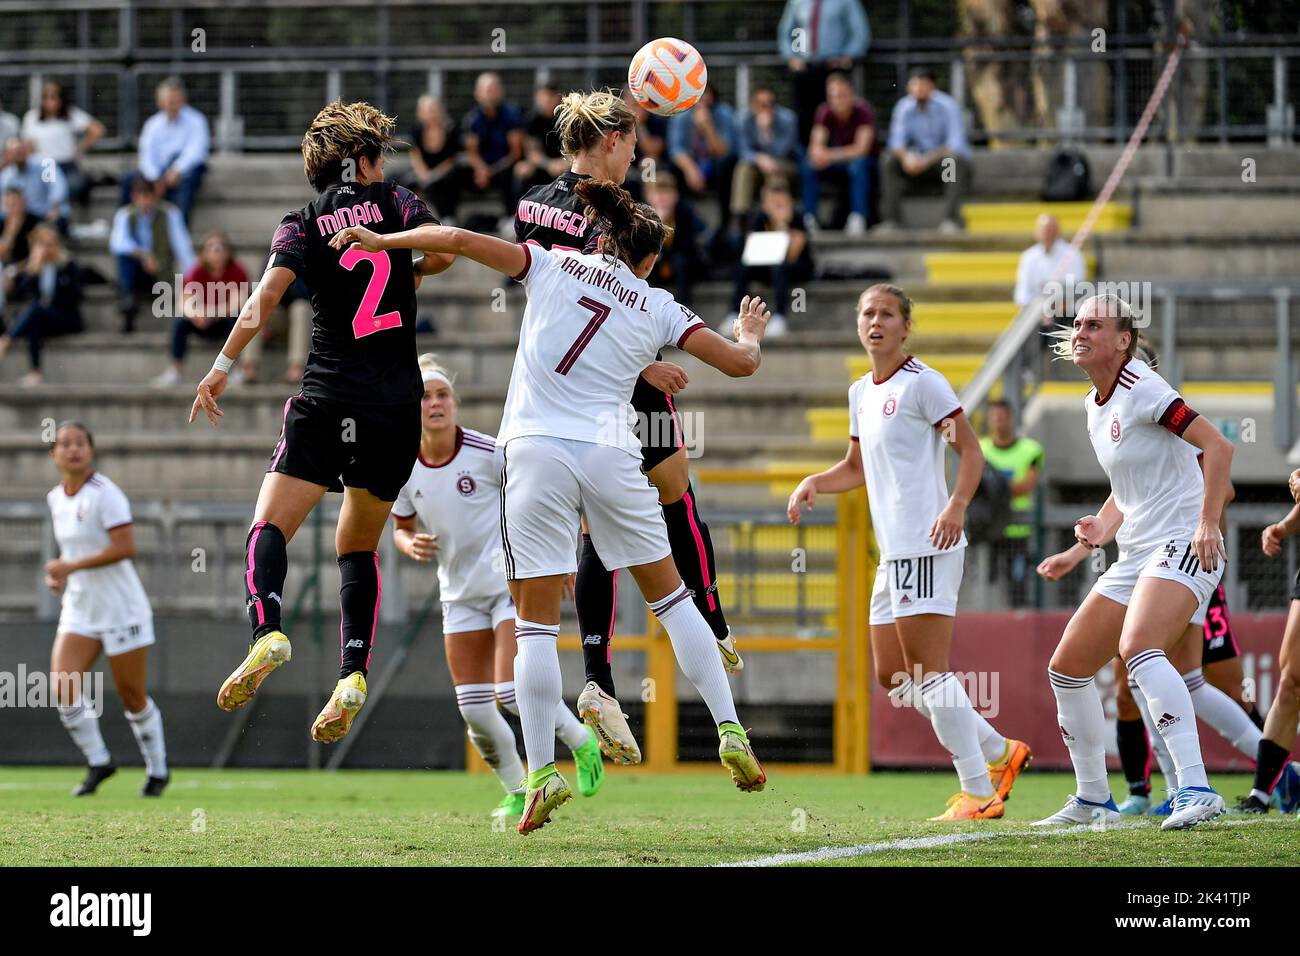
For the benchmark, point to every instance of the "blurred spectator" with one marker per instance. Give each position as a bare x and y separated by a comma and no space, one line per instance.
173,149
1020,460
52,282
831,35
297,305
64,133
44,189
151,244
542,160
1038,266
215,289
434,155
925,129
9,126
679,263
17,225
843,143
769,146
651,144
776,213
702,147
493,136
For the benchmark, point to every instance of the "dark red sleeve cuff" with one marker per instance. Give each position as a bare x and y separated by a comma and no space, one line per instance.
528,261
681,343
1178,416
952,414
854,438
403,517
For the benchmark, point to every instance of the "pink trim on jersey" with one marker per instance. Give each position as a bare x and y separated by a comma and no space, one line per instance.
677,429
700,549
284,426
252,566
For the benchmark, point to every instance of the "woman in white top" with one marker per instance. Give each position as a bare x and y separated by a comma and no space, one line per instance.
569,447
105,610
64,133
1171,557
455,492
902,415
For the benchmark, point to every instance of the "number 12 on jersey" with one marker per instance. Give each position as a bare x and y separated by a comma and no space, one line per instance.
599,313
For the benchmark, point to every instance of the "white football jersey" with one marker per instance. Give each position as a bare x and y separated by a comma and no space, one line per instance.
111,595
898,424
590,328
460,502
1135,430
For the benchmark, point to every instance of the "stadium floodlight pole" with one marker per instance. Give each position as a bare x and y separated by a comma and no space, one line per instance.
1013,339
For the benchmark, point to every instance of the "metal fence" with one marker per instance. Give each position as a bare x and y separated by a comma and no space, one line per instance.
261,71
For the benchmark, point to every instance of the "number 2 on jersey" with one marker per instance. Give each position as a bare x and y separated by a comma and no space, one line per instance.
365,322
599,313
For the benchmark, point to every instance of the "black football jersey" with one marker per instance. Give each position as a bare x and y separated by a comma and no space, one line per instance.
552,215
363,303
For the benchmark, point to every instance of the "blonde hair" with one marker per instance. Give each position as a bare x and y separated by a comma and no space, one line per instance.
430,363
341,132
583,120
1104,306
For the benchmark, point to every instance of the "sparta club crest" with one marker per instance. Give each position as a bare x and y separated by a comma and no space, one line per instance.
465,484
891,406
1114,428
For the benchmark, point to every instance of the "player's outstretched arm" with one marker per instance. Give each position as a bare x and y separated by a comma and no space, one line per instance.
740,358
270,290
844,475
508,258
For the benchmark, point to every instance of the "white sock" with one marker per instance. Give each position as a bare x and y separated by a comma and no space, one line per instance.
1223,714
148,729
1083,728
953,719
1170,705
539,687
567,726
490,734
83,727
696,650
1157,742
992,744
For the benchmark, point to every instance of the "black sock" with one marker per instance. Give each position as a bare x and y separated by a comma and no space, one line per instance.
692,546
359,606
1255,716
266,562
1134,755
1269,762
594,593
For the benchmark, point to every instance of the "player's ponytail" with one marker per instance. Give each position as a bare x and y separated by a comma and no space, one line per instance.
583,120
629,230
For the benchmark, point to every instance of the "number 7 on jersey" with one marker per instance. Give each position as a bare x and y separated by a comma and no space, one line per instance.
599,313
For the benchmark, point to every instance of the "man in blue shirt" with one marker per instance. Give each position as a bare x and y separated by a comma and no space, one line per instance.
702,147
174,146
151,245
817,37
493,137
769,146
39,179
927,144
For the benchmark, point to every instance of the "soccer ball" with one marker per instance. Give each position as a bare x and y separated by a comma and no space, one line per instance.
667,76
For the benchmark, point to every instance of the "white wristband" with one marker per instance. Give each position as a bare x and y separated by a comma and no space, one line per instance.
222,363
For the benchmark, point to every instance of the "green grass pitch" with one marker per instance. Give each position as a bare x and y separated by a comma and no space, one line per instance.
401,818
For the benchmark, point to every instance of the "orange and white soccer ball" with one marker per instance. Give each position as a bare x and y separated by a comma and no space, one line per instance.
667,76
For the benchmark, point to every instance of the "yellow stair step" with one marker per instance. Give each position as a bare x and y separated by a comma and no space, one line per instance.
991,218
953,319
979,268
1189,389
778,590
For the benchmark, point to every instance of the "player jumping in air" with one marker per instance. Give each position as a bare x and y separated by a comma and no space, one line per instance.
105,610
597,133
455,492
591,325
355,426
1171,559
901,415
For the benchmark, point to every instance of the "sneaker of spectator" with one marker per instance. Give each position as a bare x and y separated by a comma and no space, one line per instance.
702,150
925,132
215,290
45,191
768,146
855,225
50,282
434,157
493,138
174,145
843,143
151,244
63,132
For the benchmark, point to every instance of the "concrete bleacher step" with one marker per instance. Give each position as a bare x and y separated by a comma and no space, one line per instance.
983,218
